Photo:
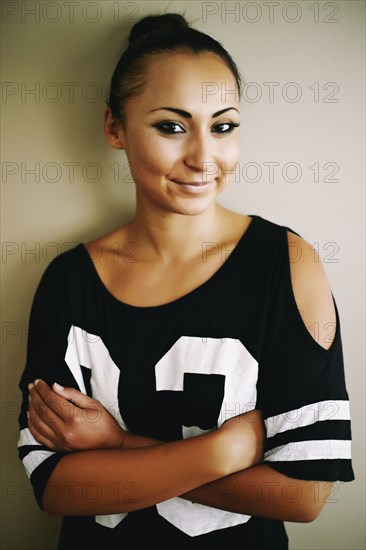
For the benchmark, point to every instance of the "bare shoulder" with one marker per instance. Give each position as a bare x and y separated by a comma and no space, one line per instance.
311,288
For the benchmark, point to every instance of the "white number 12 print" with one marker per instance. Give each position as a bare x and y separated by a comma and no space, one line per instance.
188,355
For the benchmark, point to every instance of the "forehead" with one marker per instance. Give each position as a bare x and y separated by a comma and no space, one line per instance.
202,81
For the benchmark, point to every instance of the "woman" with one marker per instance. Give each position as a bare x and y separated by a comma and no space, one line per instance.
196,409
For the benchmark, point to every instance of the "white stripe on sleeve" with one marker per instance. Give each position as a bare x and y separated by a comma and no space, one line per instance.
310,450
33,459
26,438
307,415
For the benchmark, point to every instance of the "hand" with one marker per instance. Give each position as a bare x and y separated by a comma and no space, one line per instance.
64,419
243,436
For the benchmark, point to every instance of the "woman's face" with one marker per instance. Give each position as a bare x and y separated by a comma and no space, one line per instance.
180,130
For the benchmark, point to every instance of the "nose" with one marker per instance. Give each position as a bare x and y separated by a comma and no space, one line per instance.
199,155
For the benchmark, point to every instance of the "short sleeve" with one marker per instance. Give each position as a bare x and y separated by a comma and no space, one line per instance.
302,390
47,339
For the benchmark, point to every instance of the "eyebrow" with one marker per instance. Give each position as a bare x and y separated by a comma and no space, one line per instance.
185,114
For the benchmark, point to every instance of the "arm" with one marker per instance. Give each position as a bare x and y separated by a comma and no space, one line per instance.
311,289
129,480
258,490
262,491
134,478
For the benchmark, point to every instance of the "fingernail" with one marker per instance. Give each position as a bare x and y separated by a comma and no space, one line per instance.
36,381
57,386
30,386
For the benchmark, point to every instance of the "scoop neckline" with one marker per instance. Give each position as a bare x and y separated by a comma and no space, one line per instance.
182,299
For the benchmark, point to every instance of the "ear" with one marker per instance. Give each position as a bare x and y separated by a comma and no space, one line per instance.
113,130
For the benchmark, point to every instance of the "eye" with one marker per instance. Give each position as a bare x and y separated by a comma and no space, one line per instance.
167,127
225,127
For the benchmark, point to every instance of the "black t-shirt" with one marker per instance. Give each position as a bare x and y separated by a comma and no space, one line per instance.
176,370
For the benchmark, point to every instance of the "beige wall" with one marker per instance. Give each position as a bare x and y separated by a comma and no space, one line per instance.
310,49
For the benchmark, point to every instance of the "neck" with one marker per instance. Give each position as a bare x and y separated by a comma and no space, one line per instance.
173,237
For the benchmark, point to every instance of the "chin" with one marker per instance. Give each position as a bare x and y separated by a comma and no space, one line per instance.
193,209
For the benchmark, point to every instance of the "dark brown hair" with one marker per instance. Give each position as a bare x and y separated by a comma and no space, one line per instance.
153,35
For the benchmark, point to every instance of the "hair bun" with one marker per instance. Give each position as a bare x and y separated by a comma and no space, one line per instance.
156,23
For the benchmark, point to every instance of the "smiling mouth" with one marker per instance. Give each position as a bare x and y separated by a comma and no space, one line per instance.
194,187
194,183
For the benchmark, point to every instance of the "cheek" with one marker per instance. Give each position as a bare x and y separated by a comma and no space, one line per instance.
154,156
237,145
231,151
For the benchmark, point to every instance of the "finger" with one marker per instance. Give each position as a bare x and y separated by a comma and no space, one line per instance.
60,406
44,420
48,411
74,396
38,405
39,436
41,426
54,433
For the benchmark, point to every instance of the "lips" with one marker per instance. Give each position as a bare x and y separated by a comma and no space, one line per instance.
196,183
194,187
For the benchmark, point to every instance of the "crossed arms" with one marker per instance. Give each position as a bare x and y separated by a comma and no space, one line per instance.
221,469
